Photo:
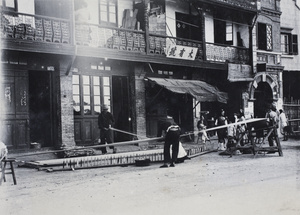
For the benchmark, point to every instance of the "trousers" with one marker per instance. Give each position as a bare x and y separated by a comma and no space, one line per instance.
171,139
106,136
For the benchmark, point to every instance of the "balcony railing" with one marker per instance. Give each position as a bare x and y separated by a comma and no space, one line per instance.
36,28
129,40
53,30
222,53
109,37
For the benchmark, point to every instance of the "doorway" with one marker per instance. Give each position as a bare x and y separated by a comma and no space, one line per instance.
263,99
121,111
40,111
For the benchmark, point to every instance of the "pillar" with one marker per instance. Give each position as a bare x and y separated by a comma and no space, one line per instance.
140,103
66,118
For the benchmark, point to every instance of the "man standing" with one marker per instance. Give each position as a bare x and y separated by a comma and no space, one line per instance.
105,122
272,118
172,135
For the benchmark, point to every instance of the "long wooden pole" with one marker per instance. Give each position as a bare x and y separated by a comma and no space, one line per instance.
96,146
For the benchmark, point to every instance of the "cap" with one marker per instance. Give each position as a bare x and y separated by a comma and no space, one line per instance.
105,107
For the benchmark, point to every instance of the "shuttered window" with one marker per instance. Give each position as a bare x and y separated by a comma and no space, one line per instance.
289,43
264,37
295,44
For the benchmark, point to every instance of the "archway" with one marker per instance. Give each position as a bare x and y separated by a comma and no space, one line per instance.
263,91
263,99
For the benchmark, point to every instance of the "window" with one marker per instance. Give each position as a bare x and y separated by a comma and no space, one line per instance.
229,32
284,44
264,37
108,12
223,32
295,44
11,5
188,26
90,93
289,43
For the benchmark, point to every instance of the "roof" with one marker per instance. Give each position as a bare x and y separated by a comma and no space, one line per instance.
200,90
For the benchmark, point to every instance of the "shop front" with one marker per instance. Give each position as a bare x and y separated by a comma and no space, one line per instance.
178,98
97,83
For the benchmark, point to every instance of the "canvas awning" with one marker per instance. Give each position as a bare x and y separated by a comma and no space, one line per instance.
200,90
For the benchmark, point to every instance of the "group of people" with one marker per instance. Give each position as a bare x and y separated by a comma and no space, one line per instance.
167,128
234,134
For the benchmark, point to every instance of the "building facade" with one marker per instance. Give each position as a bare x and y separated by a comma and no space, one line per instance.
62,60
267,86
290,31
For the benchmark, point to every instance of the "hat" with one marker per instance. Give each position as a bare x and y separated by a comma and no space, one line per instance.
105,107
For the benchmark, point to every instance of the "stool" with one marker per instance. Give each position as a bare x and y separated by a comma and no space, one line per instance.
4,162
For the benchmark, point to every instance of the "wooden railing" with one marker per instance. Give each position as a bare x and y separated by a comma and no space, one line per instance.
53,30
158,44
223,53
129,40
36,28
109,37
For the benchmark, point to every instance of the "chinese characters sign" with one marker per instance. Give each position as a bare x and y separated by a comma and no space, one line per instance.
181,52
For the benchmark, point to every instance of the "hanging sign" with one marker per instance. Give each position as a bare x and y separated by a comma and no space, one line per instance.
181,52
239,72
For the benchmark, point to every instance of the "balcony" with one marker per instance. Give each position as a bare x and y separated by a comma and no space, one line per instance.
35,33
134,42
232,54
26,32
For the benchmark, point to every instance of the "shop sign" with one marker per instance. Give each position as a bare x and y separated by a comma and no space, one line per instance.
181,52
239,72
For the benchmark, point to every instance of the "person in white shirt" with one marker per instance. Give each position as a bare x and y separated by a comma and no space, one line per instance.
283,124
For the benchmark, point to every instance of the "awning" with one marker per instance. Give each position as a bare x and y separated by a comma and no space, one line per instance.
200,90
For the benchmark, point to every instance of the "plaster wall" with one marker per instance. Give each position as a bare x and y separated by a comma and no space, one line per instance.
290,18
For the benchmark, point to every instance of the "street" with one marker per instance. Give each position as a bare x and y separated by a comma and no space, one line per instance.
207,184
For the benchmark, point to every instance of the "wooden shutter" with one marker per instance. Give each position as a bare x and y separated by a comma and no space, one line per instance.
294,44
269,37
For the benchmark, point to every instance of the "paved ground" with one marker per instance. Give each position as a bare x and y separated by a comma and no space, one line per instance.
207,184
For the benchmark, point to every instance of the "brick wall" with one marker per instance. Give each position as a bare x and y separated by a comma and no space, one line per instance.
66,110
140,101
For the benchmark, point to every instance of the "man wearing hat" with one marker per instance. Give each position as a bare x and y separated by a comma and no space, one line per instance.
105,122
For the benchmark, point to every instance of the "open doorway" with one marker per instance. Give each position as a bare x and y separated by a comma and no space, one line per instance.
263,99
40,111
121,111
